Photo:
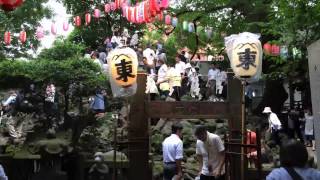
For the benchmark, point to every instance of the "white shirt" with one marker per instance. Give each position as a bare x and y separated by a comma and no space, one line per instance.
150,55
274,122
214,146
10,100
308,130
172,148
180,67
212,74
162,72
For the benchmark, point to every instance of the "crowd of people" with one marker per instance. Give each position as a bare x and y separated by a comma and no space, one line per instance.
167,78
298,124
210,153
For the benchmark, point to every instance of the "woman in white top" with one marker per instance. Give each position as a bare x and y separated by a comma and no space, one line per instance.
309,127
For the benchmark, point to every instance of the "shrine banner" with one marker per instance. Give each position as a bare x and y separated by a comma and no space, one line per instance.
123,68
245,53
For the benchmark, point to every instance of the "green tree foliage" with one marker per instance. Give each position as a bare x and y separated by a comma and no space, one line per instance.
62,50
20,74
26,17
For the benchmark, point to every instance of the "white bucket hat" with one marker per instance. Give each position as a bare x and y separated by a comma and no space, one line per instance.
267,110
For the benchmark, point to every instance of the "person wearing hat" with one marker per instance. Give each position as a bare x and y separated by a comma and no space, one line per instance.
274,124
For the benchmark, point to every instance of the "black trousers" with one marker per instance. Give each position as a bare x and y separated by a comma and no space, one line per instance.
204,177
169,171
176,93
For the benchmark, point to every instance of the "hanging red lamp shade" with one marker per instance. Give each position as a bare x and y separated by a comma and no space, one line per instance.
174,21
153,7
7,37
129,14
88,18
10,5
23,36
112,6
160,16
97,13
135,12
146,12
77,21
124,11
53,29
275,49
118,4
164,4
167,19
140,15
267,48
65,26
107,8
40,33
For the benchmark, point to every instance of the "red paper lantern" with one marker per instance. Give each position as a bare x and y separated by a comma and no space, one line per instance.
97,13
267,48
275,49
134,17
107,8
118,4
160,16
53,29
10,5
146,12
88,18
65,26
7,38
168,20
112,6
40,33
153,7
77,21
165,4
23,36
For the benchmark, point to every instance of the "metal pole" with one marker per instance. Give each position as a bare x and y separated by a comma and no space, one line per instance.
243,129
115,119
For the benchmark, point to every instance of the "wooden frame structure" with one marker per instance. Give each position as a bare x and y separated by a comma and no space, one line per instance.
142,110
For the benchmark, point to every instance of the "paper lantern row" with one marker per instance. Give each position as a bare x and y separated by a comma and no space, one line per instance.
40,33
146,11
22,37
143,12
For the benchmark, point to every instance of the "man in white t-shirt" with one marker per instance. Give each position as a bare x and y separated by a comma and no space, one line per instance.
172,148
150,55
211,83
180,65
210,153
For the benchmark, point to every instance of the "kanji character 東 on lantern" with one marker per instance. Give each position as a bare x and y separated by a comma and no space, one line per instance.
123,68
245,53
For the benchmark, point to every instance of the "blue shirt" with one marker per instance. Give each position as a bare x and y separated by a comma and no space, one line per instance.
2,174
98,102
305,173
